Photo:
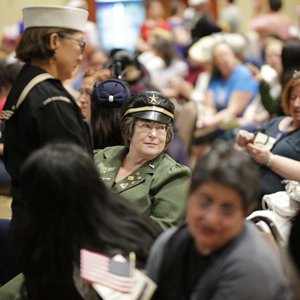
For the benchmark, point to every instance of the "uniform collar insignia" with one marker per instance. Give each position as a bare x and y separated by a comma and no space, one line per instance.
123,185
151,166
105,178
153,99
103,169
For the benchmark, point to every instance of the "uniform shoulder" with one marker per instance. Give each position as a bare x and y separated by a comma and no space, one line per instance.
50,87
47,92
108,151
171,165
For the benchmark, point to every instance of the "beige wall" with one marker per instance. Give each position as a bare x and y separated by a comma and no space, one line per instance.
11,10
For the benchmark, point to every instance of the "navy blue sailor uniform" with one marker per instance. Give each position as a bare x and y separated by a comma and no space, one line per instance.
47,114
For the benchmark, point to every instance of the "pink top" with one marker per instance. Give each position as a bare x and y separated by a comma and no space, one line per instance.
2,102
272,23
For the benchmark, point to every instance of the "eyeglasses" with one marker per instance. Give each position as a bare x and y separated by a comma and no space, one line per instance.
294,97
148,127
207,204
86,93
80,42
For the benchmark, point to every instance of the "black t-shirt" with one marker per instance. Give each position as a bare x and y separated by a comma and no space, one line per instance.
288,145
194,267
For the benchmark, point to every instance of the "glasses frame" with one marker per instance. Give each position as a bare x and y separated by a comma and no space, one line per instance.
81,43
147,127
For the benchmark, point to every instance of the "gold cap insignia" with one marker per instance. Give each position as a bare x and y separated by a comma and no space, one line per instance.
153,99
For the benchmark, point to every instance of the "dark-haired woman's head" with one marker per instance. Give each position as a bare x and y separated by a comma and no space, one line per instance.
60,183
70,208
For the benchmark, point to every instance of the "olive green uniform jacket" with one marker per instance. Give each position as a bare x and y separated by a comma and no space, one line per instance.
158,188
12,289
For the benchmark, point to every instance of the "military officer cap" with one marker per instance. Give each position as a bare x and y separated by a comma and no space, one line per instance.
150,105
111,92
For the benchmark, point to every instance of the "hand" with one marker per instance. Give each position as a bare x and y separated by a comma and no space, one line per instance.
243,138
207,121
255,72
260,153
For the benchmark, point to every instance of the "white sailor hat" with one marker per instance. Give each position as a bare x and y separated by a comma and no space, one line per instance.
196,2
55,16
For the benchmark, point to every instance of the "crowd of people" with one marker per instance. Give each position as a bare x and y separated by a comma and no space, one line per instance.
162,152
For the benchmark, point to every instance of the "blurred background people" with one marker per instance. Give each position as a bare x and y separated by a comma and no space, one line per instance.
9,73
95,59
230,91
269,77
272,22
125,65
91,34
179,27
9,40
230,17
281,137
162,61
155,19
290,58
90,78
202,23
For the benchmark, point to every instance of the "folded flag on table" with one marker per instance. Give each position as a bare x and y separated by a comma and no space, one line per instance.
107,271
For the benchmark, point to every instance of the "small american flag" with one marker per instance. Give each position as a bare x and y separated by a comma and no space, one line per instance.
104,270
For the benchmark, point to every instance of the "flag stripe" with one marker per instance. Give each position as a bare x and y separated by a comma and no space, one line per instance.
110,285
98,277
103,270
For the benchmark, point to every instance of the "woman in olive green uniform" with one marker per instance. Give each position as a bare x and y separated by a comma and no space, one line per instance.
141,171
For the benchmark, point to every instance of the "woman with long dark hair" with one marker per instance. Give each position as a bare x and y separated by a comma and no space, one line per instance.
69,208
